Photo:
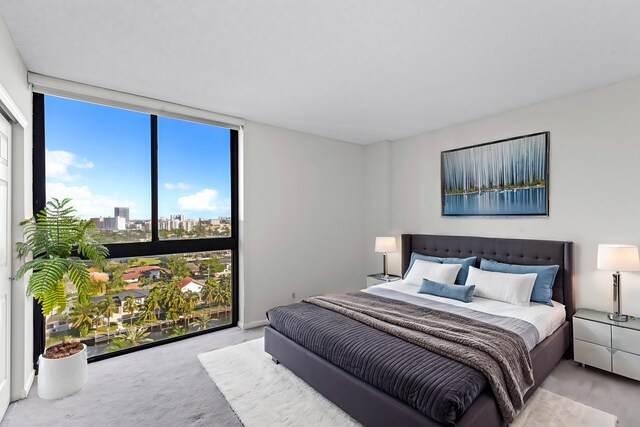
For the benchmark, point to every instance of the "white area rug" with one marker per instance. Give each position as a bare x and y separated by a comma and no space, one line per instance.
549,409
265,394
262,393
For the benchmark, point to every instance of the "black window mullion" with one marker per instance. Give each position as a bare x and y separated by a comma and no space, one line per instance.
154,178
168,247
39,201
235,215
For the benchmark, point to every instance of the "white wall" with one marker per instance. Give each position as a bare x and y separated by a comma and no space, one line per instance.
594,182
302,219
13,78
377,218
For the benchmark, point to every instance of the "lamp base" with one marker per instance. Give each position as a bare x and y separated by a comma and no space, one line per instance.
618,317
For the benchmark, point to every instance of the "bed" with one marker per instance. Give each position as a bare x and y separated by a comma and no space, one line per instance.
373,407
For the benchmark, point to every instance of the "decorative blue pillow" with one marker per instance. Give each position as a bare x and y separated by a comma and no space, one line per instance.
461,278
543,286
461,293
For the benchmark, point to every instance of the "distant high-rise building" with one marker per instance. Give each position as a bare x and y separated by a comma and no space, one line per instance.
123,212
110,223
205,221
177,217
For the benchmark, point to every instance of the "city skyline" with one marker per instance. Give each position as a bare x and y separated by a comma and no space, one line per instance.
160,217
100,157
175,221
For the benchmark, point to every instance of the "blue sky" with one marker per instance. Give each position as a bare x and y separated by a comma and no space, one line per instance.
100,157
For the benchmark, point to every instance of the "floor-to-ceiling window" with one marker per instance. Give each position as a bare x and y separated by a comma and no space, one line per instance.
162,192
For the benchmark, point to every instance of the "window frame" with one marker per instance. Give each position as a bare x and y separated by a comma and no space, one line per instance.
155,246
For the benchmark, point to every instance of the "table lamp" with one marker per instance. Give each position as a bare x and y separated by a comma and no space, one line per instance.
618,258
385,245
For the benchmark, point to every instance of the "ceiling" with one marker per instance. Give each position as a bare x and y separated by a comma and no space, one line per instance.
355,70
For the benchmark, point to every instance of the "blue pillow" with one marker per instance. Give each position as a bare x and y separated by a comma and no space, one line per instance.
461,293
542,288
461,278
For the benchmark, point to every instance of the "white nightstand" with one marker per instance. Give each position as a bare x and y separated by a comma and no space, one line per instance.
605,344
374,279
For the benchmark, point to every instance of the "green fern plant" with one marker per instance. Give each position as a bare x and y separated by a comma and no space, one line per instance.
52,236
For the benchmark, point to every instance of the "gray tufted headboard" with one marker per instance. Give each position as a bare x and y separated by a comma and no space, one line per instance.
512,251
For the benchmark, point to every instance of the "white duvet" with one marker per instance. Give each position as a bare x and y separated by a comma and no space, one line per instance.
546,319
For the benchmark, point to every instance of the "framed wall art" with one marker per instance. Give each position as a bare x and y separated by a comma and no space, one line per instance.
509,177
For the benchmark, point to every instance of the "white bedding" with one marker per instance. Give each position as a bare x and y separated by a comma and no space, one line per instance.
546,319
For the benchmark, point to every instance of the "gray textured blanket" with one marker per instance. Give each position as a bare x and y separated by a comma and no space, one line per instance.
501,355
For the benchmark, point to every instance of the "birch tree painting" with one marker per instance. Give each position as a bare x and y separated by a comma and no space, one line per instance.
512,175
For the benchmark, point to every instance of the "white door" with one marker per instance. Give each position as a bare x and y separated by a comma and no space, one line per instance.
5,263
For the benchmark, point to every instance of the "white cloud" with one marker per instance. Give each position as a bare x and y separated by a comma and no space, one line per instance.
205,200
178,186
59,162
89,205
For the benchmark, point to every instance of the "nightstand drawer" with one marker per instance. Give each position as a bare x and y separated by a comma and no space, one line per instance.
626,364
592,355
593,332
625,339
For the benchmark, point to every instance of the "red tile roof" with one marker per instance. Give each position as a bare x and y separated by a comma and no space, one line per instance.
130,276
184,282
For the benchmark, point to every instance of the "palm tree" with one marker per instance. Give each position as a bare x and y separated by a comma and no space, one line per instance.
218,297
226,302
82,314
136,336
183,311
208,291
172,300
152,302
145,314
107,307
225,282
201,322
191,299
130,306
178,266
172,314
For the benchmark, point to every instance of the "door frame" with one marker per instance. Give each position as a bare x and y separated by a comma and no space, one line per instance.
10,109
6,271
21,368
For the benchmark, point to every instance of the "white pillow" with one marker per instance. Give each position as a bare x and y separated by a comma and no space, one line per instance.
512,288
441,273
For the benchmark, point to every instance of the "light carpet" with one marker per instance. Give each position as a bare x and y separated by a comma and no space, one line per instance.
265,394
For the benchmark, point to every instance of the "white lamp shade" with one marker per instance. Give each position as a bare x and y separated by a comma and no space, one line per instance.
385,244
618,258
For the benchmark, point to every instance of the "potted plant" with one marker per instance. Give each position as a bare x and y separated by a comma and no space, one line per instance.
58,239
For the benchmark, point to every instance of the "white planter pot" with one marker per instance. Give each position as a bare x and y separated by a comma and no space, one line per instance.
58,378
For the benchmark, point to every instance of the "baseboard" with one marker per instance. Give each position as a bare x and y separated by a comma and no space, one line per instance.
23,393
254,324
